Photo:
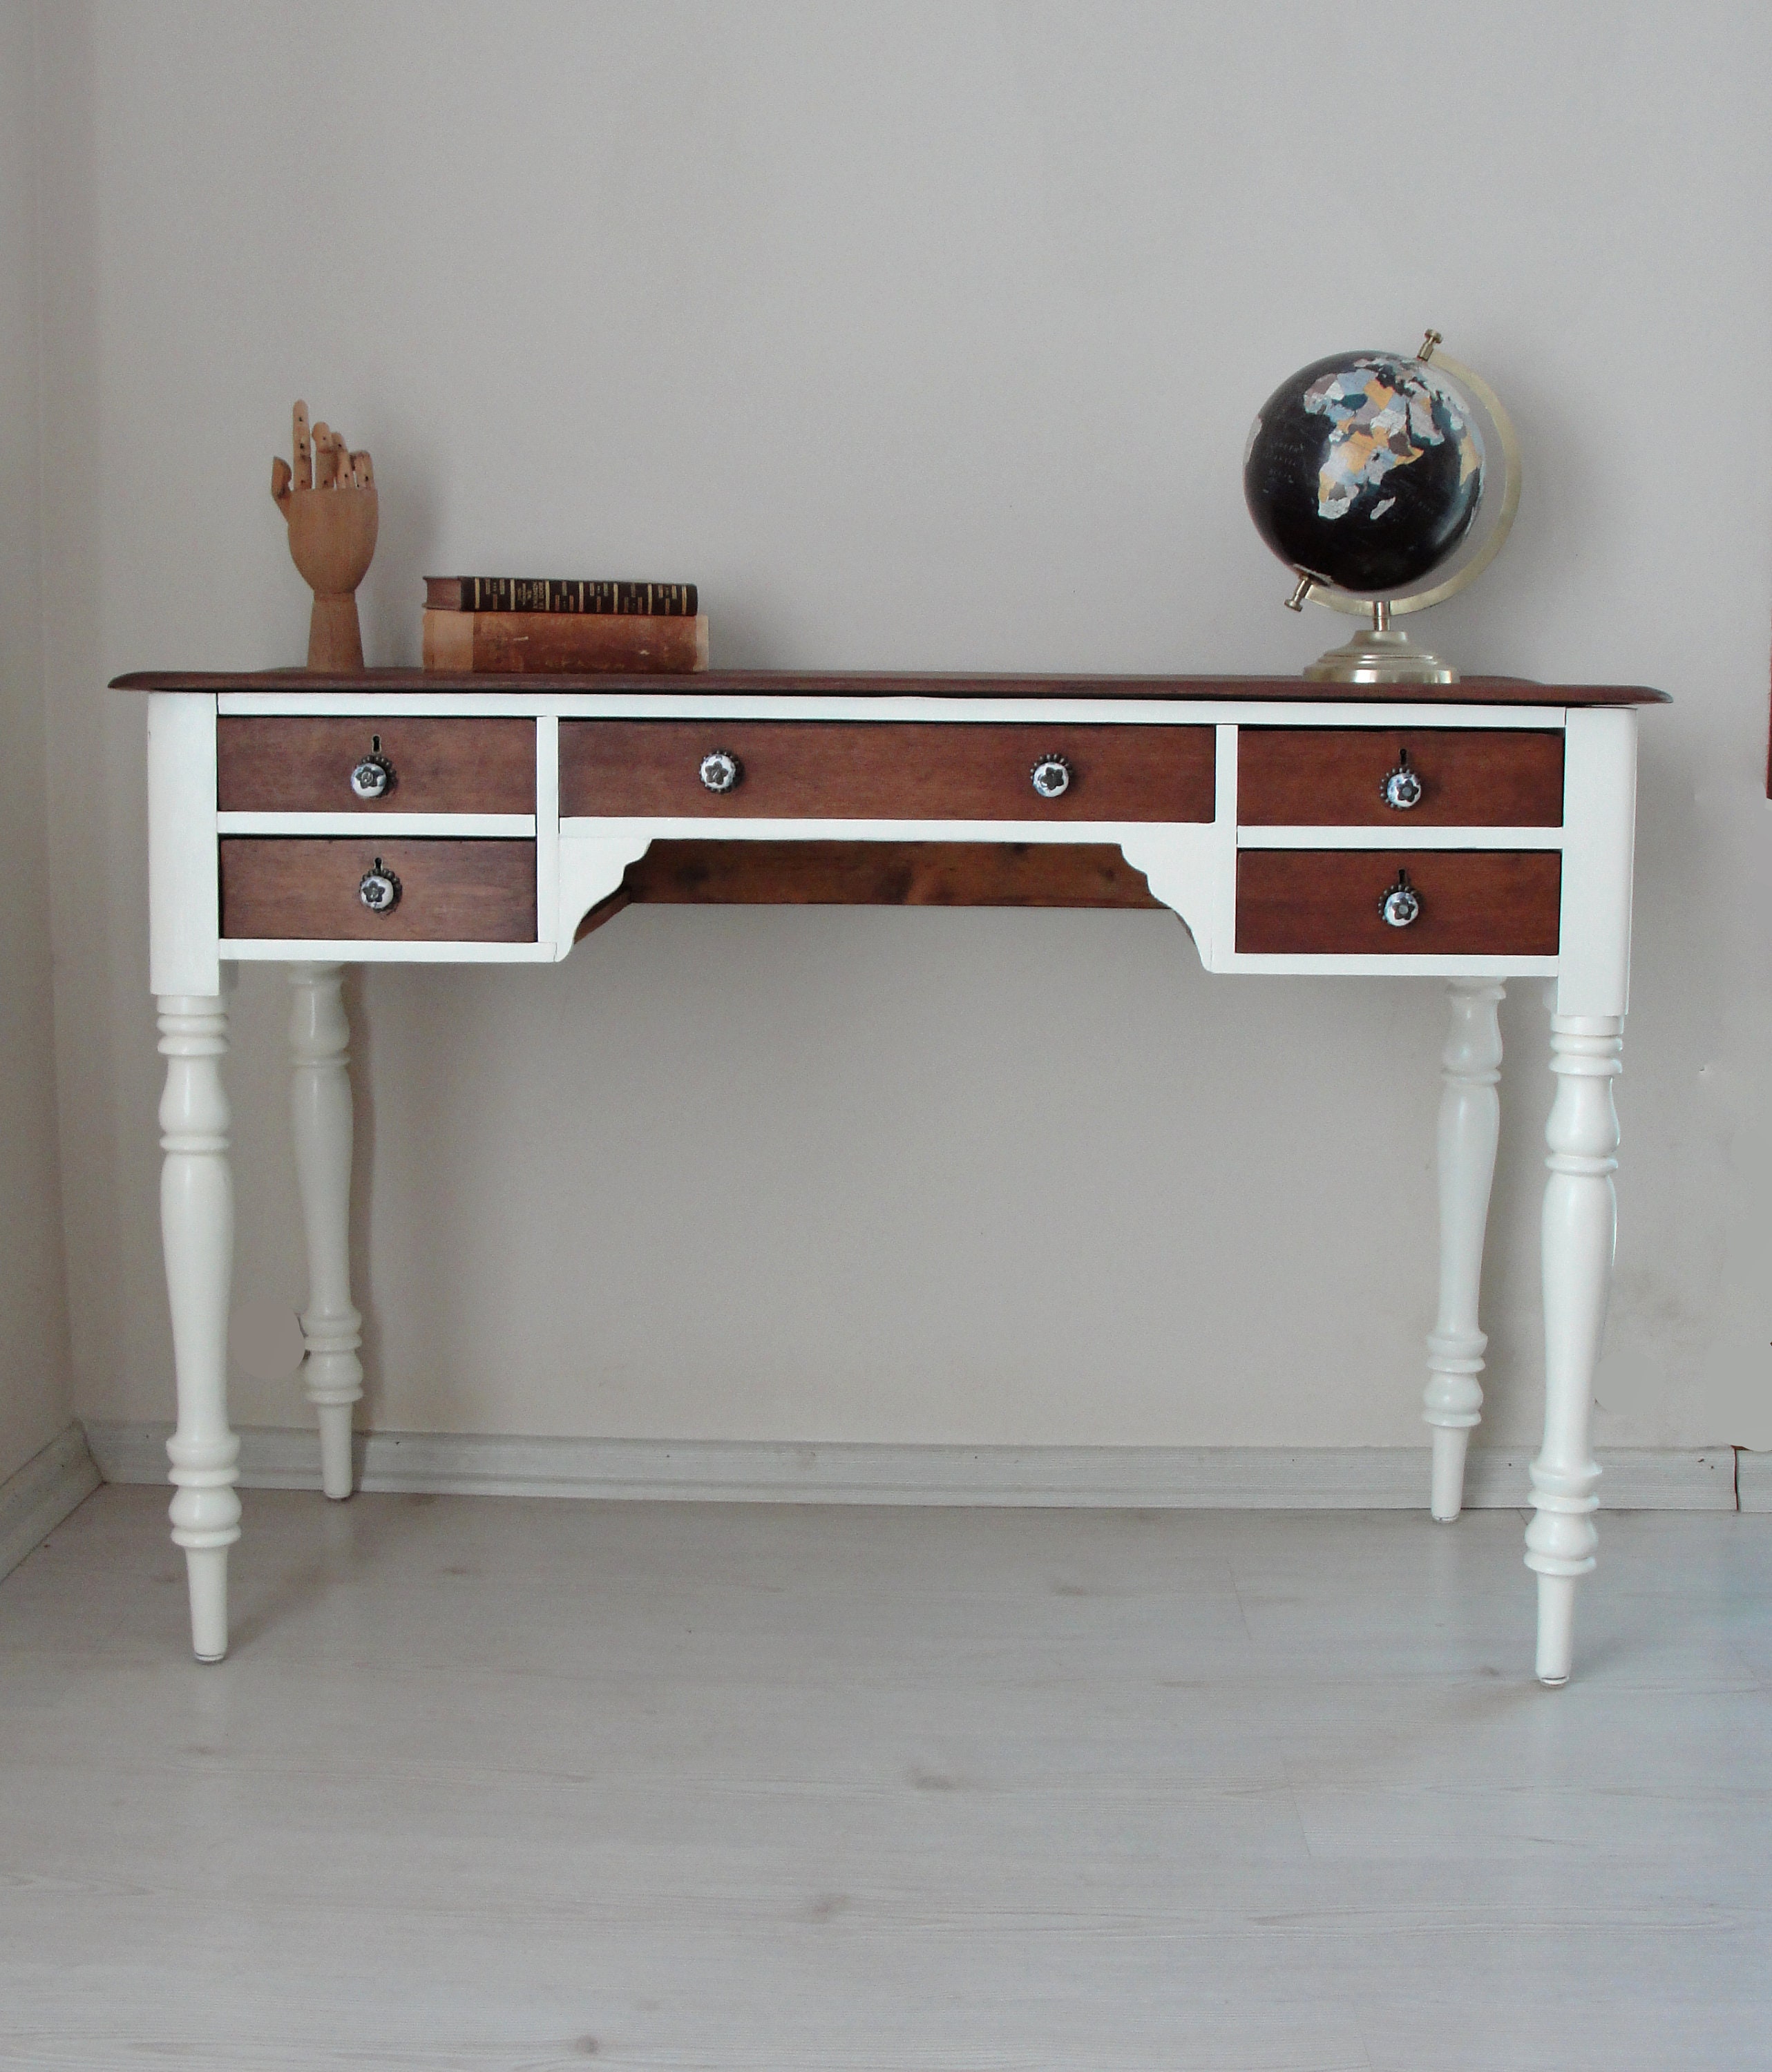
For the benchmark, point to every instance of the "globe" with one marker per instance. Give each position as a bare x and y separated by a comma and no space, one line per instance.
1365,470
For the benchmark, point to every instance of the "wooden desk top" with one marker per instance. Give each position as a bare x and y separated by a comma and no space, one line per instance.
880,684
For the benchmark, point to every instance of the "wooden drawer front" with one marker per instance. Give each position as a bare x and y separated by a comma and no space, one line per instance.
279,765
1332,777
1474,903
305,886
885,770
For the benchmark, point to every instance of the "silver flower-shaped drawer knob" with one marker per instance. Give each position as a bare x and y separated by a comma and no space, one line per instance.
372,778
1401,787
1052,775
379,888
721,771
1400,904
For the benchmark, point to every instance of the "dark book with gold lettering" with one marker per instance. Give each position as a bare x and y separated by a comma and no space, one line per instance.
618,600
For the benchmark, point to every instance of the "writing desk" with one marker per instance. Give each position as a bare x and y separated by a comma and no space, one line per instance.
1472,832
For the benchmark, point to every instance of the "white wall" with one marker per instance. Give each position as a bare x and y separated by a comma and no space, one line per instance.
35,1376
923,336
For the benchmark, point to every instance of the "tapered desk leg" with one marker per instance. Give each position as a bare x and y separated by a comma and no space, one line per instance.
1579,1226
320,1111
197,1228
1469,1122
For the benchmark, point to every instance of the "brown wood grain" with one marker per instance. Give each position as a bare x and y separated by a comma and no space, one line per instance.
279,764
1474,903
1471,777
870,873
885,770
897,683
305,887
528,644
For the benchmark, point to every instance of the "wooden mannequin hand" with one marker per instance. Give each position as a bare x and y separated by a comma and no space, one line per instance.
322,461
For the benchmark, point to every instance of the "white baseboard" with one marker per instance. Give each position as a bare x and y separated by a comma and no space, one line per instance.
36,1499
1753,1480
743,1471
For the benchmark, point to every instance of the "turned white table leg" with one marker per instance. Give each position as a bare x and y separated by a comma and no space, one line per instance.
197,1227
1580,1227
1469,1122
320,1110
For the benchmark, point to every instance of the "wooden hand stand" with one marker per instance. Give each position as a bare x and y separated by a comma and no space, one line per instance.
329,500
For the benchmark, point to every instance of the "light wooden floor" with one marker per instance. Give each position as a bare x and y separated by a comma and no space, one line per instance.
502,1783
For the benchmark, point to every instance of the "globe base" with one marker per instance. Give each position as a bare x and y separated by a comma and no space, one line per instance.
1381,655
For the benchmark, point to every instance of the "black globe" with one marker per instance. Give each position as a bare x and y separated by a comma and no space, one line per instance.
1365,470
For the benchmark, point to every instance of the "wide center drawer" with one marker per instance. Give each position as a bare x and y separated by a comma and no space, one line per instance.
884,770
1465,902
1464,777
281,764
312,888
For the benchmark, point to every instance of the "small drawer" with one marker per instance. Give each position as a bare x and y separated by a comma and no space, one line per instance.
282,765
1335,777
1469,903
884,770
313,889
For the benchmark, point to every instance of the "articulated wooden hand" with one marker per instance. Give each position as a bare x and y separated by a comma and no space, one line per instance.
321,462
328,501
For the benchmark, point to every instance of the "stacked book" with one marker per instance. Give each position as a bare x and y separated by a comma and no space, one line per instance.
525,624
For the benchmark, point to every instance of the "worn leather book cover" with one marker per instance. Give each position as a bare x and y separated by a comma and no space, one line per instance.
641,600
528,642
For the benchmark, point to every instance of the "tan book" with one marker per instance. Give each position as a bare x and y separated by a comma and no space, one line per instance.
564,643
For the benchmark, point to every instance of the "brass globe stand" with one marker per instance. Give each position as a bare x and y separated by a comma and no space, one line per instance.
1385,654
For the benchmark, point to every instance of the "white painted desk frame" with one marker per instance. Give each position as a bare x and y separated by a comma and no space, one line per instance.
1190,867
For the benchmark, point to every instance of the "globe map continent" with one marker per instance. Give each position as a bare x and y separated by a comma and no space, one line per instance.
1365,470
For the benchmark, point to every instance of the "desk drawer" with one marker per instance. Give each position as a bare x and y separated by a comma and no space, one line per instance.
1470,902
281,765
1469,777
884,770
310,888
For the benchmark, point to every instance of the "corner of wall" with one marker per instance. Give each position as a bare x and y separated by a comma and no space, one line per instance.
36,1366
